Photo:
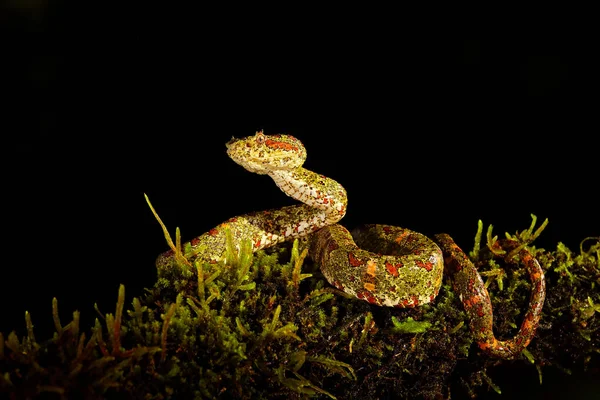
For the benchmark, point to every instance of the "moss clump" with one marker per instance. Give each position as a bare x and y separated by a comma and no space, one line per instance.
267,325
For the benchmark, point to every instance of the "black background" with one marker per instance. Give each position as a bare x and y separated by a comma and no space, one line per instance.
425,130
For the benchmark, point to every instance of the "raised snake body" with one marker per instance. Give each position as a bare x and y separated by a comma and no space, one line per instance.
386,266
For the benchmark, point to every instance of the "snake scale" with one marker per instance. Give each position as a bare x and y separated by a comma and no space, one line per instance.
381,264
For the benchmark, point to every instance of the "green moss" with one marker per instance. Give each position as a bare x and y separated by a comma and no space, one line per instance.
409,325
268,326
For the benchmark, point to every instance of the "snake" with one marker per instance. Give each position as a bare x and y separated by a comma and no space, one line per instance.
383,265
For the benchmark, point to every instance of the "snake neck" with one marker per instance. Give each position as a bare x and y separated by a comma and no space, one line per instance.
314,190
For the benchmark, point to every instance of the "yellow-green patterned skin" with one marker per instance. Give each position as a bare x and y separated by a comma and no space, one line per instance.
381,264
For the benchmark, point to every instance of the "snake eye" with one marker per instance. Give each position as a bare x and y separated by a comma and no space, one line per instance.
260,137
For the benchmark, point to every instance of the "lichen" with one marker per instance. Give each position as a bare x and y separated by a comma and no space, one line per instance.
267,325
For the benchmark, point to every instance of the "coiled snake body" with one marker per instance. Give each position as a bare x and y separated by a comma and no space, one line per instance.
383,265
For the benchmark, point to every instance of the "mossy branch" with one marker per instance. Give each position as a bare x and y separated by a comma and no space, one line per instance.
176,247
201,291
301,384
240,260
297,260
489,381
251,330
73,326
528,235
409,325
367,326
270,328
31,343
117,323
477,246
335,366
55,317
165,329
97,329
492,243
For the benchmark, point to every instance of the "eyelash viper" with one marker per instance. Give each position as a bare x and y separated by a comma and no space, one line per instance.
381,264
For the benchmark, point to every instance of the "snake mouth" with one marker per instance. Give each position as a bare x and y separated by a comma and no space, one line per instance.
233,150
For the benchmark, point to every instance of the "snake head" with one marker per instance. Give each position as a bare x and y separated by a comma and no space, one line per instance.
263,154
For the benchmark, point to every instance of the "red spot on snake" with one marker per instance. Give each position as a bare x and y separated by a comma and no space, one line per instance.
403,304
213,232
354,262
392,269
424,264
338,285
332,245
401,237
467,302
411,302
195,241
367,296
273,144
